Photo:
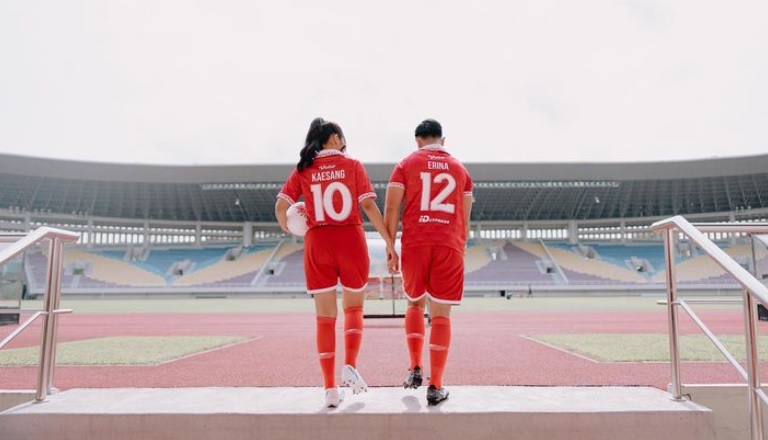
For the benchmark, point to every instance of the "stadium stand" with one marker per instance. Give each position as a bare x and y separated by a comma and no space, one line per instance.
579,269
171,263
511,265
238,272
703,270
97,271
647,258
102,269
477,256
280,267
286,268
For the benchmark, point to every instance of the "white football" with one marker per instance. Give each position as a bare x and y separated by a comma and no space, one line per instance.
297,219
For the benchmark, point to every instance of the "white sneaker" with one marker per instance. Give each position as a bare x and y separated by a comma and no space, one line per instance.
333,397
351,378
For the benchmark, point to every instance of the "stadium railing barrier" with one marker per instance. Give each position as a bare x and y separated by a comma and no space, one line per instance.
754,292
50,310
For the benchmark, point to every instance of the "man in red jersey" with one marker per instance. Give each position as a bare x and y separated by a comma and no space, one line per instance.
436,191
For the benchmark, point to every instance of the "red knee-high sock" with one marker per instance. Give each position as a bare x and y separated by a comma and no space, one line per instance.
439,342
353,334
414,334
326,349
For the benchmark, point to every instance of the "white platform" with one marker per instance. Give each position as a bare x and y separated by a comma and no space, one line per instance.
595,413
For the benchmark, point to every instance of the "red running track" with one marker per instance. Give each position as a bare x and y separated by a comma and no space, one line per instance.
487,349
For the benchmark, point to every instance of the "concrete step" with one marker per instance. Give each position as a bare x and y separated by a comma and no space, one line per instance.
471,412
11,398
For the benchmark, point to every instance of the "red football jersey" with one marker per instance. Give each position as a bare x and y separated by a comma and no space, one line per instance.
435,184
332,187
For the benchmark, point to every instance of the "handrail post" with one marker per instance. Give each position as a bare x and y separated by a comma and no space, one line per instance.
52,295
59,250
672,316
753,373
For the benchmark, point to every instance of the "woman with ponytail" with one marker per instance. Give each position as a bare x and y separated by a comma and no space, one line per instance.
334,188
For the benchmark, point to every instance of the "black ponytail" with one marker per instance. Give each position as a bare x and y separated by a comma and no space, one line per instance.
317,136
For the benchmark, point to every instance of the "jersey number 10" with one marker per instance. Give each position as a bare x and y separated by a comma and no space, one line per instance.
323,201
438,203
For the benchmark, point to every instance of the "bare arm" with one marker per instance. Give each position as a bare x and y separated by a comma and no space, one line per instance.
468,210
374,215
281,206
392,206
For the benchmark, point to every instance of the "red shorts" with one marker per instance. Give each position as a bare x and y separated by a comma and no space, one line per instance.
435,271
334,254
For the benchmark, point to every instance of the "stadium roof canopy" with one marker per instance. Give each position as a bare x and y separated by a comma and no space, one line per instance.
503,191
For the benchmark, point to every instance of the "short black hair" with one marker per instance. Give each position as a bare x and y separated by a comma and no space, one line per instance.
429,128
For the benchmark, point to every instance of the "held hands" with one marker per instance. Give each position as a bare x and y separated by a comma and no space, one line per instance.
393,260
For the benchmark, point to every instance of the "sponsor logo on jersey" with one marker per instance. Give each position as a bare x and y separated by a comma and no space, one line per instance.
327,167
428,219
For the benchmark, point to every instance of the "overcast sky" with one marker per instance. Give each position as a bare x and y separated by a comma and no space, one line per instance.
225,81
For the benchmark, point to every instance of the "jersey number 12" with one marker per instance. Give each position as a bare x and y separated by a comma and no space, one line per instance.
438,203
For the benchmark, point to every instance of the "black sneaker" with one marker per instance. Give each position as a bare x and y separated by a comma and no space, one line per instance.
435,395
414,379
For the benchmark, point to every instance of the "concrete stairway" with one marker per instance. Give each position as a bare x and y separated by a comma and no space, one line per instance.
525,413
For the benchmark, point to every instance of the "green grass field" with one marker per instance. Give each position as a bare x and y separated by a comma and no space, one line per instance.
120,350
649,347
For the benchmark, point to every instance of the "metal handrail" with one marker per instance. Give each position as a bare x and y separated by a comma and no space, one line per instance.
26,323
31,239
731,228
753,290
719,345
51,310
